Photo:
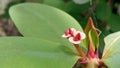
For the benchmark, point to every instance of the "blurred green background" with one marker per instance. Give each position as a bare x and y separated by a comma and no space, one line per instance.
105,13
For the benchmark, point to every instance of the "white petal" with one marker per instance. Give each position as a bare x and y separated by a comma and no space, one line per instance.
73,29
81,33
83,36
65,36
72,41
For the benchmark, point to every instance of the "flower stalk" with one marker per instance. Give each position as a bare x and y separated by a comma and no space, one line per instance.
75,38
82,54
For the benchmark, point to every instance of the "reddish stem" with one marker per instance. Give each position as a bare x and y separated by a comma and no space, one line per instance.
82,54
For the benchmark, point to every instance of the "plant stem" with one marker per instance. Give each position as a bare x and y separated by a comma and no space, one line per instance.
82,54
92,63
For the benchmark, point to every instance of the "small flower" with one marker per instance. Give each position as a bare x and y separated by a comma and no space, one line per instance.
78,36
74,36
69,33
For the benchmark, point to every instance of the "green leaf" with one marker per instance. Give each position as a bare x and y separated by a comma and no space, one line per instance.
22,52
111,53
38,20
92,34
81,1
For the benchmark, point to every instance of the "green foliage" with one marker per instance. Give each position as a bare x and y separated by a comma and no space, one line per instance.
49,26
104,13
81,12
69,7
22,52
41,23
111,53
42,45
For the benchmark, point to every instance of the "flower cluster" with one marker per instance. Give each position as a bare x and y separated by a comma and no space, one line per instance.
74,36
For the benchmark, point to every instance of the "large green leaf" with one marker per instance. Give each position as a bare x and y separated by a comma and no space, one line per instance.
37,20
111,53
19,52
